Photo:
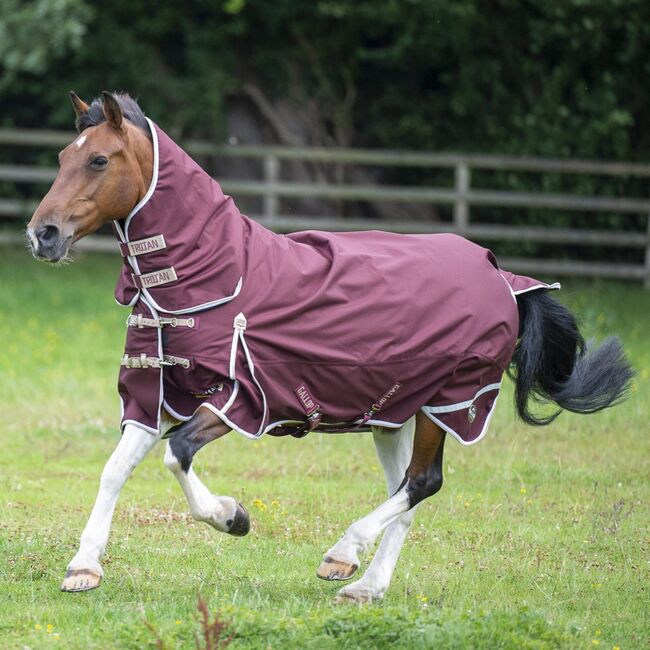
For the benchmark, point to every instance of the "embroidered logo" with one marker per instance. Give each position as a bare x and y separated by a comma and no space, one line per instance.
149,245
471,414
385,397
307,401
204,394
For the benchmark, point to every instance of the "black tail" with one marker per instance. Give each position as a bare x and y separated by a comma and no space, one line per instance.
553,363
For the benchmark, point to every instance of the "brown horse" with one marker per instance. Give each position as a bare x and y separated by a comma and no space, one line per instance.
105,174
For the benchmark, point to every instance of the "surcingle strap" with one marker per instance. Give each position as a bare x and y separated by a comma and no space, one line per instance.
143,361
142,246
140,321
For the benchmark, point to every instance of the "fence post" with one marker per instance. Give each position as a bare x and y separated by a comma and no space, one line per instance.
271,175
461,206
646,282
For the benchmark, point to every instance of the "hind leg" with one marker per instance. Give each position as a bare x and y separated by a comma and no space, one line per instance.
394,449
422,479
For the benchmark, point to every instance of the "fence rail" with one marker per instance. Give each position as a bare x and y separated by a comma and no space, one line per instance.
461,196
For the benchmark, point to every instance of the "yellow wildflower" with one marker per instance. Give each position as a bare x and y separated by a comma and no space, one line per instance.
38,626
522,490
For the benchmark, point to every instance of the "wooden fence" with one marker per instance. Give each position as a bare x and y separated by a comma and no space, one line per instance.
462,196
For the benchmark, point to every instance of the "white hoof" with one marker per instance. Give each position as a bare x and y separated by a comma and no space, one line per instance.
81,580
358,594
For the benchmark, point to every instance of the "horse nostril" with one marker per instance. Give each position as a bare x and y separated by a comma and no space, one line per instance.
47,234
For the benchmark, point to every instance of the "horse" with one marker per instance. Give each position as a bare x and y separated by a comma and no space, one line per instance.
236,328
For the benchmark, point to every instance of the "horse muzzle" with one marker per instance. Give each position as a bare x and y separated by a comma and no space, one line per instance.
47,243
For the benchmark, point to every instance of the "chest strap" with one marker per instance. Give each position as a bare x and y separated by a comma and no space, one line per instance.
143,361
140,321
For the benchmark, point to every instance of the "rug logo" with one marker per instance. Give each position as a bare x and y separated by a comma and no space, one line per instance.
156,278
386,396
307,401
149,245
204,394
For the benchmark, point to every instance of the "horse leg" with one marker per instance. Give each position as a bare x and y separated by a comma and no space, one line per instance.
223,513
423,478
394,449
84,571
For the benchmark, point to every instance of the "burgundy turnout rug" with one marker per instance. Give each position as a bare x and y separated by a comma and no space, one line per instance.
308,331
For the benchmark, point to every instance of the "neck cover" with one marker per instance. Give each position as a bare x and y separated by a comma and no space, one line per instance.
313,330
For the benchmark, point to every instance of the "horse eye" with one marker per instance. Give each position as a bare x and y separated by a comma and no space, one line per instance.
99,162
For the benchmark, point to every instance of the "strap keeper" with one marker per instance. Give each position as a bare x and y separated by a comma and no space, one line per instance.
136,280
124,249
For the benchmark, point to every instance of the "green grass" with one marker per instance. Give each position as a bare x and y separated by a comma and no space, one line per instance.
538,539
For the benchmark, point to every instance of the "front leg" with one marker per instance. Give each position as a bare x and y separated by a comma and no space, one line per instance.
223,513
84,571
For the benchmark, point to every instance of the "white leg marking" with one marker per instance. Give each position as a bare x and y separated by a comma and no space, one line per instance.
362,533
133,446
204,506
394,449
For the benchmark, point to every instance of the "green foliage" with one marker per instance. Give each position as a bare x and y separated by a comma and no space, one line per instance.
547,78
33,32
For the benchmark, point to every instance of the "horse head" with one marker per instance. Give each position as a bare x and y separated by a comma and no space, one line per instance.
102,175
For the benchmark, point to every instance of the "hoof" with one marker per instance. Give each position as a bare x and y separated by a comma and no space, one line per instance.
241,522
331,569
356,595
353,599
80,580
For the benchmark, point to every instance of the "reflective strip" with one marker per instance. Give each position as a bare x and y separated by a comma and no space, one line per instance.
143,361
155,278
142,246
140,321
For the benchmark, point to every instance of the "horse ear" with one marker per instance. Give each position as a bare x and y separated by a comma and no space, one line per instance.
79,105
112,110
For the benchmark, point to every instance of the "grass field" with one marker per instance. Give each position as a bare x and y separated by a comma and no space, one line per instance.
539,538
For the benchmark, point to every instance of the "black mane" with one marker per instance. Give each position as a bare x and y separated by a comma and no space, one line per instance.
130,110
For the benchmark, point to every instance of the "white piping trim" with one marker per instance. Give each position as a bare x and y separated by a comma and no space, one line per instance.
462,405
152,185
135,299
232,397
229,422
549,287
535,287
450,431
